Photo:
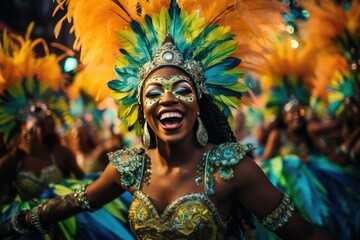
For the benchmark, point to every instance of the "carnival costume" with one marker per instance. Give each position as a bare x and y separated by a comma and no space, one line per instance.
319,187
199,38
31,87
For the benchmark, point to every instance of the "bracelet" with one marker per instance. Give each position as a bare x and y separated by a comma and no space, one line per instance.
81,199
35,220
281,215
344,149
18,227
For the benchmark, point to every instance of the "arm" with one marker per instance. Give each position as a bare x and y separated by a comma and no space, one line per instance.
261,198
271,145
42,217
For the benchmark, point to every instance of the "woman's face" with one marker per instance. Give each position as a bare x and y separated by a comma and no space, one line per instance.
30,135
295,118
170,104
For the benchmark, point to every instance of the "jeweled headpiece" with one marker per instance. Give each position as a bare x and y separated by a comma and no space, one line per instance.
206,42
169,55
30,85
286,75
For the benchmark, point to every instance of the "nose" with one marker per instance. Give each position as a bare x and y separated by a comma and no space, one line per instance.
168,99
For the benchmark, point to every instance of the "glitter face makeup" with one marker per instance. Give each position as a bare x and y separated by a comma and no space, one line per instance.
179,85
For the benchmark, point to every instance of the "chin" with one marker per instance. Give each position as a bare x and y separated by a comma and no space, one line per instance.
175,139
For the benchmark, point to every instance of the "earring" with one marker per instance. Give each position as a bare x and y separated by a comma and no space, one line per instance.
201,133
146,136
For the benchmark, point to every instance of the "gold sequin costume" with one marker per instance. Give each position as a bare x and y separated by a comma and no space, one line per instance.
31,186
191,216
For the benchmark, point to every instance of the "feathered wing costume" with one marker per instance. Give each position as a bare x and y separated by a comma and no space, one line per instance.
31,86
320,188
210,36
335,28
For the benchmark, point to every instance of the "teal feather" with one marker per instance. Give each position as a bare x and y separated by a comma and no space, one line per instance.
143,44
205,52
301,93
176,24
215,56
228,63
129,100
216,90
333,106
221,79
151,34
188,53
123,85
130,58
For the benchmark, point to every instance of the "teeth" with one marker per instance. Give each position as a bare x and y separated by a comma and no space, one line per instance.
170,115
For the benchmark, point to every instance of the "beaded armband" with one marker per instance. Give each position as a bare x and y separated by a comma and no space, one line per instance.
35,220
130,165
81,199
19,227
222,158
281,215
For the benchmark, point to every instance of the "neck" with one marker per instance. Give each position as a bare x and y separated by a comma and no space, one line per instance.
295,135
39,148
175,155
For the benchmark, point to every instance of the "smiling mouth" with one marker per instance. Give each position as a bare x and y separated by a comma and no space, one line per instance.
171,120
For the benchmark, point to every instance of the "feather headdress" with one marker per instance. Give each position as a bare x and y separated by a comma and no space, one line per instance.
213,34
287,74
29,85
335,28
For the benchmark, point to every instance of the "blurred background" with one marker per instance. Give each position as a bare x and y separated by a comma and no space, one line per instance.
16,15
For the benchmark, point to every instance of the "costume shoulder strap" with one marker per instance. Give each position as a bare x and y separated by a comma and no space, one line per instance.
222,159
130,163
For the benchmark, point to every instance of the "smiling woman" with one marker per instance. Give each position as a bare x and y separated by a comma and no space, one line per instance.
170,105
178,77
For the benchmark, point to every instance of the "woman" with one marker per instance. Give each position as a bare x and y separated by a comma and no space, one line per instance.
319,187
39,166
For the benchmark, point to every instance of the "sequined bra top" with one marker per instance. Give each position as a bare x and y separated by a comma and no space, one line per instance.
288,147
31,186
191,216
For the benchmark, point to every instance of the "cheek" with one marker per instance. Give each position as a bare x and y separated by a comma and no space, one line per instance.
149,102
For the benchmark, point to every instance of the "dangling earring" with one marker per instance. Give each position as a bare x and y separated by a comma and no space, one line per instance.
201,133
146,136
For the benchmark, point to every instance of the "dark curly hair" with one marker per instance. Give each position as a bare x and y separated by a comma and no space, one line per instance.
219,131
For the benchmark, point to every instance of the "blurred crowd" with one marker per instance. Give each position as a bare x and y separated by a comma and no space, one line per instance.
303,119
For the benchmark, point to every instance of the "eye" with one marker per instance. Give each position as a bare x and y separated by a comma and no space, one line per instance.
153,94
183,91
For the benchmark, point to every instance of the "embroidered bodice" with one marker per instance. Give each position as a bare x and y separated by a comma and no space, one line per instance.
288,147
31,186
191,216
